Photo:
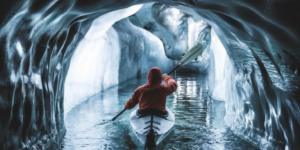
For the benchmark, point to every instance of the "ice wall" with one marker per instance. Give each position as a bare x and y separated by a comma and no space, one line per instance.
95,63
168,24
140,51
178,32
94,67
217,70
260,80
38,38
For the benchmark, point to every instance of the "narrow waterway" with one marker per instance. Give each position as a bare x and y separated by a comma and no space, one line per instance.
199,120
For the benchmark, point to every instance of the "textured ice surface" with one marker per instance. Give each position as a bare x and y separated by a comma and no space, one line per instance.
178,32
94,67
95,63
217,70
38,38
168,24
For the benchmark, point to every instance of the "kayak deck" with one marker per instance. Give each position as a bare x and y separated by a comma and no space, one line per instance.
152,129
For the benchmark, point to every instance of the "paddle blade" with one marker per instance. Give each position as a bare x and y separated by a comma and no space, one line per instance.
192,54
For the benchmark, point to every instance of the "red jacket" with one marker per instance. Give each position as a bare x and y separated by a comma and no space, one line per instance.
153,94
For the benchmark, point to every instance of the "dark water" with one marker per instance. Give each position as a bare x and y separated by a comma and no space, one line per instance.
199,120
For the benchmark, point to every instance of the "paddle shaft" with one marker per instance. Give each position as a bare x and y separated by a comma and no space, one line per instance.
173,69
118,115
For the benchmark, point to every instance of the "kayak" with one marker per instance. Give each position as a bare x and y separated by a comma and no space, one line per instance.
152,129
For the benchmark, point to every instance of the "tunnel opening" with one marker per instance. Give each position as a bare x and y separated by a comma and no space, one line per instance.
260,75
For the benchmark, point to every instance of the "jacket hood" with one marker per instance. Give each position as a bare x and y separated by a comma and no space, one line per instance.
154,76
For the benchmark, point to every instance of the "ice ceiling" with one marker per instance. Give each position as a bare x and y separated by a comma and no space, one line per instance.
260,67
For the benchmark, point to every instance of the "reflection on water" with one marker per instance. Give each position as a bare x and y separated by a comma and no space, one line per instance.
199,120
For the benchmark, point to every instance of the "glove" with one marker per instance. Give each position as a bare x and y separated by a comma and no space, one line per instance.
163,76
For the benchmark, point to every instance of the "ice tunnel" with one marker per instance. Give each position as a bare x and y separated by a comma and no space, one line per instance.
57,54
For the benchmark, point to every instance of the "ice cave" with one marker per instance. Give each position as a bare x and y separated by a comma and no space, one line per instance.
68,66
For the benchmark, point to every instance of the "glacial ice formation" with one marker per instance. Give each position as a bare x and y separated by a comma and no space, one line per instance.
95,62
115,50
178,32
168,24
109,55
218,58
261,73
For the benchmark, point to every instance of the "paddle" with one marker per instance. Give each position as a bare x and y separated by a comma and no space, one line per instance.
187,58
118,115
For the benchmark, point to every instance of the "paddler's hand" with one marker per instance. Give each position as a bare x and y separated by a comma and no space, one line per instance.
164,75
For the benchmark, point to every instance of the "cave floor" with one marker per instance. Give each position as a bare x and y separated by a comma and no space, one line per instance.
199,120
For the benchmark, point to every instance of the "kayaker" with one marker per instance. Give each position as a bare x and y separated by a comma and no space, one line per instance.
153,95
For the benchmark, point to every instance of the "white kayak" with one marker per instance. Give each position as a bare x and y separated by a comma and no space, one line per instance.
152,129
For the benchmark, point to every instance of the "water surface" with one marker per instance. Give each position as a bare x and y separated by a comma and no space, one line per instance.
199,120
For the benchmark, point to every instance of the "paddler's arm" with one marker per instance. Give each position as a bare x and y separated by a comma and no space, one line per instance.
171,85
132,101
